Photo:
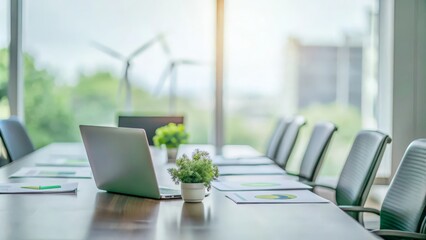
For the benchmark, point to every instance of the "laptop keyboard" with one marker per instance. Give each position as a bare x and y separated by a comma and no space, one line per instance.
164,190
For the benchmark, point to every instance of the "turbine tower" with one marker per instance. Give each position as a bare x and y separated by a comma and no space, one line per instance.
127,60
170,72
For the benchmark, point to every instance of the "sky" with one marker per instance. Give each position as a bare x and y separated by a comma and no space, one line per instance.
60,34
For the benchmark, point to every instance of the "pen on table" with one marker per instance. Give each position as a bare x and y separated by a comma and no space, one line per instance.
42,187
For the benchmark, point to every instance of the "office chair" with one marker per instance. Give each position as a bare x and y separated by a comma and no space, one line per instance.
288,140
275,139
15,138
315,151
360,169
403,212
149,123
4,156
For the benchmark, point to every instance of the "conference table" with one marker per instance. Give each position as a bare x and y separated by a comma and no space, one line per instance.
90,213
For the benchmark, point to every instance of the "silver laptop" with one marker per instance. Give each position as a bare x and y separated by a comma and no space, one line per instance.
121,162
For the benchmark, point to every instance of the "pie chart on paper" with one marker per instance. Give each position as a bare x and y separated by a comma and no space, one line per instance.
276,196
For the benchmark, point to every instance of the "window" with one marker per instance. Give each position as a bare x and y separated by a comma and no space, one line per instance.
75,64
278,61
4,57
297,57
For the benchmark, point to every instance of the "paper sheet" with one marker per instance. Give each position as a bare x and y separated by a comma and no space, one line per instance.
260,185
64,162
20,187
228,151
274,197
221,161
251,170
51,172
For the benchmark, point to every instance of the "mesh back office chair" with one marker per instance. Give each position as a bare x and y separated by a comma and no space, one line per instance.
149,123
360,169
403,212
15,138
316,150
275,140
288,140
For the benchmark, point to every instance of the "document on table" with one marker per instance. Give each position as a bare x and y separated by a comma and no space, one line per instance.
64,162
37,187
51,172
228,151
221,161
260,185
251,170
274,197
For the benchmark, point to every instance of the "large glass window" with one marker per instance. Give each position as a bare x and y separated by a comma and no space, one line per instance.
80,55
281,58
4,57
298,57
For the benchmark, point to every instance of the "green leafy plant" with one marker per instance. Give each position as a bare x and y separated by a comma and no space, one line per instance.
199,169
171,135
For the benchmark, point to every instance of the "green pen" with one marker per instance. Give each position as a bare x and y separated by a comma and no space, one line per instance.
42,187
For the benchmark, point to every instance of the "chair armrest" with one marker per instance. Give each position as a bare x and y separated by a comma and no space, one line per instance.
399,234
312,184
359,209
291,174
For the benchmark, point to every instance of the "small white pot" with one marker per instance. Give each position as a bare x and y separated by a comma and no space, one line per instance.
193,192
171,154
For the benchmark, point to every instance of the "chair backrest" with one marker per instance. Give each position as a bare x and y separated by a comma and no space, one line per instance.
4,156
423,226
316,150
15,138
360,168
288,140
404,207
276,137
149,123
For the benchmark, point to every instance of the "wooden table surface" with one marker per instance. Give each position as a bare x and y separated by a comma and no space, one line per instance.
94,214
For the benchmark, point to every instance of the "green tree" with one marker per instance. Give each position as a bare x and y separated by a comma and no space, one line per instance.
94,98
47,110
47,115
4,73
53,111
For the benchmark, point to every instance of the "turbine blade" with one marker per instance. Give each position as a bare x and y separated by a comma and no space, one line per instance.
144,47
164,45
107,50
166,73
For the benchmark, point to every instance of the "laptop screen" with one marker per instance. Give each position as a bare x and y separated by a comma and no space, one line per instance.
149,123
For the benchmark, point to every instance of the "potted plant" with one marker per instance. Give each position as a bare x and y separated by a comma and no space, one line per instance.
194,174
170,135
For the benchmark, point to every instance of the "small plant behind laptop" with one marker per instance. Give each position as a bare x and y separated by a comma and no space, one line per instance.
194,174
170,135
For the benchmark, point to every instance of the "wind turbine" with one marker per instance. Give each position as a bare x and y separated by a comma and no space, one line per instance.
170,72
127,60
